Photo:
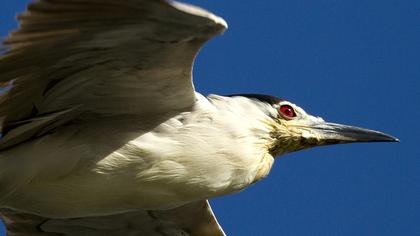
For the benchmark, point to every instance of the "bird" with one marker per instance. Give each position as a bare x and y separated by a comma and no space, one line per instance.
103,132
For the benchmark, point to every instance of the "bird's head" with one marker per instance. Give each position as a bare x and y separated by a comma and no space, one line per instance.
292,129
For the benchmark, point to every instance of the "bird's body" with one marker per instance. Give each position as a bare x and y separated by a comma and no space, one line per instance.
214,149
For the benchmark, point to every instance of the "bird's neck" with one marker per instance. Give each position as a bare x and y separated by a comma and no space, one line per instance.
252,128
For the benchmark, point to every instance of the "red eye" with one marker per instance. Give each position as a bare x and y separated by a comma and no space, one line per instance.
287,112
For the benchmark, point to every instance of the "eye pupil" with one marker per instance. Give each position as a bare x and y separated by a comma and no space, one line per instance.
287,111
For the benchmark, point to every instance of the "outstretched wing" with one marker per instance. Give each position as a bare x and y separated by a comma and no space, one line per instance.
93,58
194,219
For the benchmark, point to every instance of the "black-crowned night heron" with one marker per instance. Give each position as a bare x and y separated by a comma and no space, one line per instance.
103,133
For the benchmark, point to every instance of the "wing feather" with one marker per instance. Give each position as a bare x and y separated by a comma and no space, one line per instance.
105,57
194,219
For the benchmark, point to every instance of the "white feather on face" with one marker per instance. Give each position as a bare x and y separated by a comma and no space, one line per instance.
290,125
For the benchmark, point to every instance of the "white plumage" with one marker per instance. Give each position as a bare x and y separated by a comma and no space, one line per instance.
195,155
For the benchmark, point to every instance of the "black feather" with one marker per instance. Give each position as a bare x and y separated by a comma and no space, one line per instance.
261,97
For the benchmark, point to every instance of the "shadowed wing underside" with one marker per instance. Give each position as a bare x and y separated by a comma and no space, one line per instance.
86,59
194,219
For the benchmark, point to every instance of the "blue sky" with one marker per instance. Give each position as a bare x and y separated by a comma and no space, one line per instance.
353,62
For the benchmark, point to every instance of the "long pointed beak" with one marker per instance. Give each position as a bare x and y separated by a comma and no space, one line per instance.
330,133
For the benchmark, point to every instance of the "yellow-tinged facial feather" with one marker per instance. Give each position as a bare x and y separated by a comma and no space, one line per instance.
293,129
